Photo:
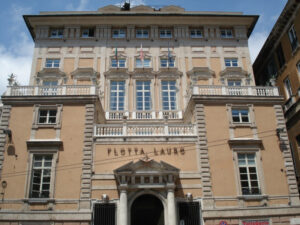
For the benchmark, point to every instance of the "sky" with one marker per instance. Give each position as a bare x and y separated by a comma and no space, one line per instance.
16,44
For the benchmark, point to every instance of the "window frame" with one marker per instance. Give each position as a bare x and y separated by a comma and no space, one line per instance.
230,62
52,63
117,96
169,64
118,62
195,36
288,88
121,33
165,35
142,64
234,82
298,67
169,96
142,36
37,108
89,29
226,35
240,116
143,91
293,38
56,33
251,115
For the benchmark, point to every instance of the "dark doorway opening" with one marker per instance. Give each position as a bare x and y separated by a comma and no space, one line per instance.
147,210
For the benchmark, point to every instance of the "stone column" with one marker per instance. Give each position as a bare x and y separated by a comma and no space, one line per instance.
123,207
171,207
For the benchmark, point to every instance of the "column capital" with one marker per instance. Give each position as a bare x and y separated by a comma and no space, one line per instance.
170,187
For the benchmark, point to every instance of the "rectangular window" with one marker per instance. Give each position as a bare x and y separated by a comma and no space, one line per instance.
240,115
226,33
118,33
189,213
117,95
298,140
47,116
142,33
288,88
231,62
167,63
165,33
236,83
280,56
142,63
120,63
56,33
87,32
196,33
293,38
248,174
52,63
41,176
169,95
143,95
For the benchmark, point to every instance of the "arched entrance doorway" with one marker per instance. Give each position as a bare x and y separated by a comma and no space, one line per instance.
147,210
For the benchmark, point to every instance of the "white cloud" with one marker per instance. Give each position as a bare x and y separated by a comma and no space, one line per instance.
256,41
16,59
81,7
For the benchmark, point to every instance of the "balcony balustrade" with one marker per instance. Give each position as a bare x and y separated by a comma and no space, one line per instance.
51,90
143,115
142,130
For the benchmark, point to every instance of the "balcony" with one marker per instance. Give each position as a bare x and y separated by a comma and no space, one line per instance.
144,130
51,90
235,91
143,115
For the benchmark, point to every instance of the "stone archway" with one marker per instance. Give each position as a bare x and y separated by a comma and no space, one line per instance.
147,210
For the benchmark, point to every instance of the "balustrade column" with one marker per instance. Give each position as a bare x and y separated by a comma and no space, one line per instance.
123,207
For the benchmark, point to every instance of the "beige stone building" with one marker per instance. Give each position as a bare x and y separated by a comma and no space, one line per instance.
143,116
279,63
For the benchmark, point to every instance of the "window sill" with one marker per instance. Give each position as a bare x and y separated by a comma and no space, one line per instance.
252,197
241,125
42,201
36,126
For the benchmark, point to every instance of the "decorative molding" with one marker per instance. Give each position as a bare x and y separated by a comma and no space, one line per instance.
85,74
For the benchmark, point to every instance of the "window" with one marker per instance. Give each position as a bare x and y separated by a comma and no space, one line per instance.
142,63
166,63
52,63
226,33
240,115
142,33
143,95
236,83
248,174
50,83
169,95
293,38
41,176
271,68
288,88
118,33
280,56
47,116
231,62
117,95
118,63
56,33
165,33
298,67
196,33
189,213
298,140
104,214
87,32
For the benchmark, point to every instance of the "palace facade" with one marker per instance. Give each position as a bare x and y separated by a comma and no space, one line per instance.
144,116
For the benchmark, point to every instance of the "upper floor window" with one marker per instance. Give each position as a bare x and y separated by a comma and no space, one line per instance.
298,140
118,63
288,88
271,68
165,33
166,63
280,56
169,95
118,33
226,33
231,62
196,33
143,95
56,33
298,67
41,176
52,63
142,33
293,37
50,83
117,95
248,174
240,115
87,32
142,63
47,116
232,83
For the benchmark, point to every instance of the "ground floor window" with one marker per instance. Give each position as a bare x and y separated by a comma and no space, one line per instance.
189,213
104,214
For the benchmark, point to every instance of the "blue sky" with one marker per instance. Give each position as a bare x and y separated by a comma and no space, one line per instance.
16,45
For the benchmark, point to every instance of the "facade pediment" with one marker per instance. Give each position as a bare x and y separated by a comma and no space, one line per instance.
233,72
198,73
85,74
169,73
50,72
115,73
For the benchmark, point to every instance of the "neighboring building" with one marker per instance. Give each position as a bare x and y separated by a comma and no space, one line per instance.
279,63
143,116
